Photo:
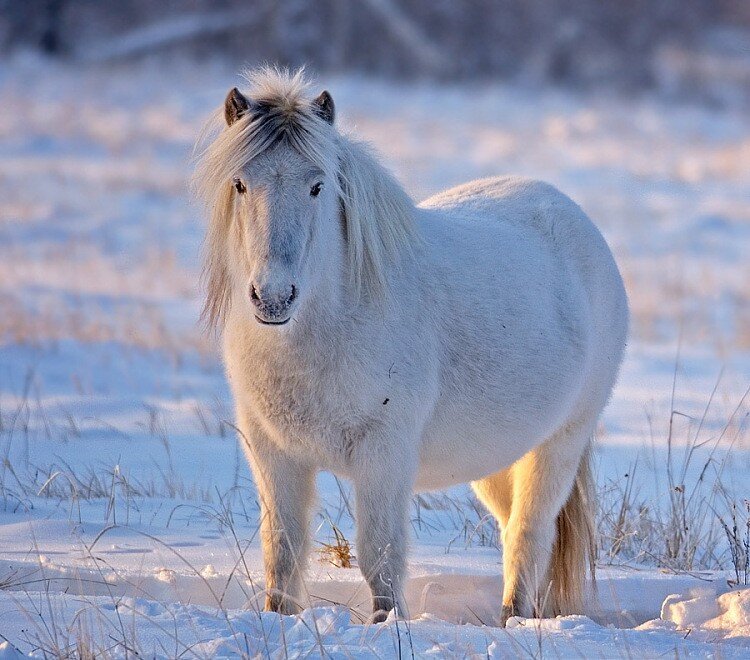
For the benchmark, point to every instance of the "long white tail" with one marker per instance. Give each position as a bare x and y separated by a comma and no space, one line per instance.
574,551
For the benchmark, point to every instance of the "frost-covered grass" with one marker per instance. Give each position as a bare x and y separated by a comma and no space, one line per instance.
128,518
129,524
690,520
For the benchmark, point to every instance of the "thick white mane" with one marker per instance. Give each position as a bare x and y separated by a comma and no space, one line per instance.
378,214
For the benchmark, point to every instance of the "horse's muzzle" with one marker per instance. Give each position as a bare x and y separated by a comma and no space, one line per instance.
273,308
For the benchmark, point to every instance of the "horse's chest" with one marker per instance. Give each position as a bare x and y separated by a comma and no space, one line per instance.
291,404
308,415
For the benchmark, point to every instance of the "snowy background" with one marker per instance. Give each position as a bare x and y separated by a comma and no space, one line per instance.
128,518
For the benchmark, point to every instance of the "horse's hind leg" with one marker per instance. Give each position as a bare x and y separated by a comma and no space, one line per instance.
542,485
496,493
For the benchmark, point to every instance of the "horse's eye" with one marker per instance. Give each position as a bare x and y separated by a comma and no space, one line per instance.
239,186
315,190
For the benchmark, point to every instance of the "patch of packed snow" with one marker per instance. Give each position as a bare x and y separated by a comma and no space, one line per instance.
728,614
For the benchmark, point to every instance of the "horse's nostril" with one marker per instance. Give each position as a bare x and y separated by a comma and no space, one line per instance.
276,300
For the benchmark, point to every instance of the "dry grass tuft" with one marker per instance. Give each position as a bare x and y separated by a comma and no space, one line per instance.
339,553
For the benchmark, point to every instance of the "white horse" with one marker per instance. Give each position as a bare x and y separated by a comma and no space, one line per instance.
474,337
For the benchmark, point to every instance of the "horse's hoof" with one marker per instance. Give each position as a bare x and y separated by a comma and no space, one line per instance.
379,616
280,603
506,613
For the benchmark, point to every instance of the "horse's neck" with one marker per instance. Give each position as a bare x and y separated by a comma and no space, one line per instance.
314,343
327,320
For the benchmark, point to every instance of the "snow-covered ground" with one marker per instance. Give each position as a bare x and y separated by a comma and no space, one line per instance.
128,518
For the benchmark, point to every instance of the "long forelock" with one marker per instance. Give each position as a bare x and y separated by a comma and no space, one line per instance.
281,111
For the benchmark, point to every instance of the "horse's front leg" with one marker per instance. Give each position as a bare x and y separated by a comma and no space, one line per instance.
286,489
383,481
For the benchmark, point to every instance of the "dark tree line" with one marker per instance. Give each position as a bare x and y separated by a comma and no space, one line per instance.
568,41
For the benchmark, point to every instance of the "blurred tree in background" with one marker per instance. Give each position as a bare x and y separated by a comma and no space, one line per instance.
681,45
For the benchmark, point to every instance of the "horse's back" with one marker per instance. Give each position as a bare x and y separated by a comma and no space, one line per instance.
492,206
517,275
537,207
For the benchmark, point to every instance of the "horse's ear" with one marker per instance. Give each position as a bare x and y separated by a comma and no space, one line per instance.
323,107
235,105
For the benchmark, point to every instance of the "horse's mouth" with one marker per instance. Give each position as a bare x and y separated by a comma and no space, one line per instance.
264,322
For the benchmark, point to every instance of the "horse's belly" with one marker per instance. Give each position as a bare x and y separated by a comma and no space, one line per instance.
484,427
456,453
